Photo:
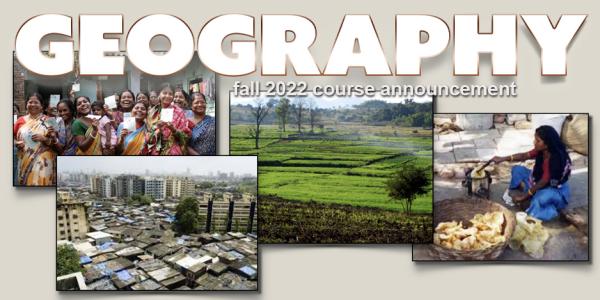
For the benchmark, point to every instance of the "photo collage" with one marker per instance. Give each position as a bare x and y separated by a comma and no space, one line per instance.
145,199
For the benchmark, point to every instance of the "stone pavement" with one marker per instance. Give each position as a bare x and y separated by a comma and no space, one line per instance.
455,151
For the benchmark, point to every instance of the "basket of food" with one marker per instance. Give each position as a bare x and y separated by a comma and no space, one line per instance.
469,229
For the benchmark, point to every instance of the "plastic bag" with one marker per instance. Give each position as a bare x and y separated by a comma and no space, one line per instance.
530,235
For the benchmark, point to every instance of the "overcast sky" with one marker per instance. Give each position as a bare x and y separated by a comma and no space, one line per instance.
158,164
333,102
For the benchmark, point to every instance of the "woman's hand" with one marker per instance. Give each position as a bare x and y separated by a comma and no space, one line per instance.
170,126
39,138
20,145
124,133
519,196
498,159
51,132
95,123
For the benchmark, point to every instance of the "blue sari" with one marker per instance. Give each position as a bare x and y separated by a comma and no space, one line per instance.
135,142
203,137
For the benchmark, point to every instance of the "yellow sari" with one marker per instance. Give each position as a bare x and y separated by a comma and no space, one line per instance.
96,146
36,160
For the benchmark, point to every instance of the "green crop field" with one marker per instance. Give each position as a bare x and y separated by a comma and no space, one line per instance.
346,164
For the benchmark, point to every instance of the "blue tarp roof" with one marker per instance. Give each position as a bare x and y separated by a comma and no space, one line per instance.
124,275
126,220
248,271
105,246
85,260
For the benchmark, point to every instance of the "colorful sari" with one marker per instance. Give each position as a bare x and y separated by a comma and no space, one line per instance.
79,128
166,142
36,160
153,116
135,142
66,138
203,136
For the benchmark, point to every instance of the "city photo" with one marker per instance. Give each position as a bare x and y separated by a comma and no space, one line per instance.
347,170
156,223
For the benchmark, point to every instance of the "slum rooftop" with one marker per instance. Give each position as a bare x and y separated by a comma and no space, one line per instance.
132,248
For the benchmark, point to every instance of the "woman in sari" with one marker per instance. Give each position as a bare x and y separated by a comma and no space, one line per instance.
142,97
202,141
66,140
126,102
36,144
134,142
546,187
182,99
85,129
153,110
169,138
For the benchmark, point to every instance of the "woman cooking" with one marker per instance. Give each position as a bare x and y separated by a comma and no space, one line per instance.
546,187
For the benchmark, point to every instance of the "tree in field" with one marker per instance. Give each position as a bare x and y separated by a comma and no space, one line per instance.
259,111
298,107
67,260
186,216
283,110
313,113
408,182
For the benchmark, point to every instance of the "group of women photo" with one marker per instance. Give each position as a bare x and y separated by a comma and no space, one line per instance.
80,126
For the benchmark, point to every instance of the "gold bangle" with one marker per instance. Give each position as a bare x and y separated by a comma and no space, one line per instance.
529,192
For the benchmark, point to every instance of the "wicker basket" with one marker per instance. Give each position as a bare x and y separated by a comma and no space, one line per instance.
462,209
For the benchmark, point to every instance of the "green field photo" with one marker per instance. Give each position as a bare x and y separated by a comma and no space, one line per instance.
328,167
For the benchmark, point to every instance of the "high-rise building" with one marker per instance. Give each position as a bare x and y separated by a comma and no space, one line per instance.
229,213
94,180
71,218
155,187
124,188
188,187
173,187
105,188
129,185
138,186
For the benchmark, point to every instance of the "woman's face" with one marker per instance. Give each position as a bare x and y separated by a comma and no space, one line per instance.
139,111
539,144
97,111
83,106
154,98
126,101
166,97
199,105
142,98
34,106
179,99
64,112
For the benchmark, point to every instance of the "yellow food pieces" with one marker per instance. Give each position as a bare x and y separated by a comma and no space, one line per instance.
478,174
485,232
530,235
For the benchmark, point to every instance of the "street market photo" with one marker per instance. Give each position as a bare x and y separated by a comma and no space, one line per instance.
510,187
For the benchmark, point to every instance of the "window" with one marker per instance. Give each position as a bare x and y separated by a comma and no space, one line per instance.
62,232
